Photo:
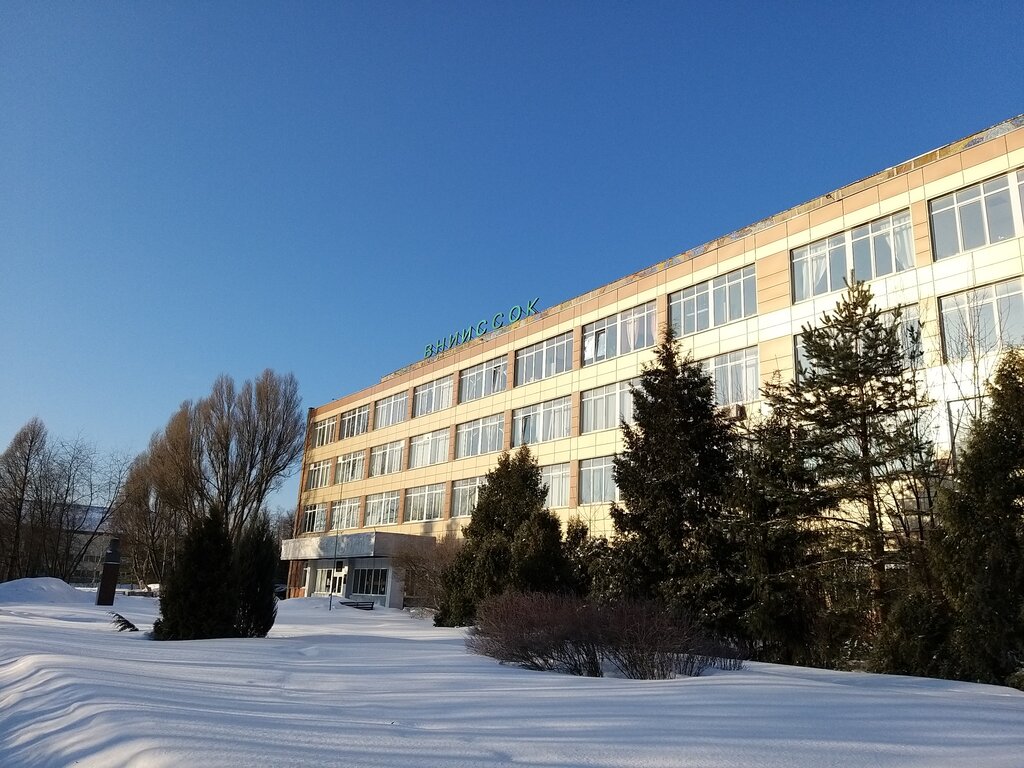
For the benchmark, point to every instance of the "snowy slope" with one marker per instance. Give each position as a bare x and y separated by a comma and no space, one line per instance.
381,688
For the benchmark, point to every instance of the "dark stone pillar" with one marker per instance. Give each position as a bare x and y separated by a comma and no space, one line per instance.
111,569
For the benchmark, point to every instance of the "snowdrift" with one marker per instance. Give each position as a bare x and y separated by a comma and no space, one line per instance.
41,591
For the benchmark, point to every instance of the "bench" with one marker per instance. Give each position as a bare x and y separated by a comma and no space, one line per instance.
362,605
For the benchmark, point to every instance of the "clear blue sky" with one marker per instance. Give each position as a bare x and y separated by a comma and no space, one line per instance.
189,189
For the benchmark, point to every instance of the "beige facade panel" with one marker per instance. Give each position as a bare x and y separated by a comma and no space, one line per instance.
768,245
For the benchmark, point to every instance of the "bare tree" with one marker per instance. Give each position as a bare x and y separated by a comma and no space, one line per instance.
230,450
18,465
150,528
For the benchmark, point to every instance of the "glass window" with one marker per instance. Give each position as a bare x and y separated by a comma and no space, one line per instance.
715,302
314,518
323,431
875,249
431,448
735,376
382,509
606,407
370,581
355,422
544,359
618,334
542,422
432,396
350,467
972,217
345,514
390,410
981,320
387,458
483,379
423,503
597,481
465,494
480,436
319,475
556,478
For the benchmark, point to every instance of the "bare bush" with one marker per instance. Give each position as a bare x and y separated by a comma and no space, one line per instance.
566,634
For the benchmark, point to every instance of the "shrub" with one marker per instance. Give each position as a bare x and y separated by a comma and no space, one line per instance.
255,565
199,599
567,634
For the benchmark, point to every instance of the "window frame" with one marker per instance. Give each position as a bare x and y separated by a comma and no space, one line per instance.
388,458
492,375
544,359
355,422
387,513
391,410
543,421
432,396
424,503
437,445
466,431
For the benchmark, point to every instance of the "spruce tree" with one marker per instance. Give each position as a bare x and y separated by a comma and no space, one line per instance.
857,403
779,502
673,541
256,557
979,554
199,600
512,542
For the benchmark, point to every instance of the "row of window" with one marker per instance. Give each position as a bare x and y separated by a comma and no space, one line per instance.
972,217
735,376
426,502
975,216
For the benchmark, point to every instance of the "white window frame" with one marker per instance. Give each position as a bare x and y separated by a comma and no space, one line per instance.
429,449
319,474
433,396
345,514
950,209
556,478
390,410
314,518
386,459
597,481
825,265
989,304
695,309
735,376
351,467
381,509
480,436
355,422
484,379
544,359
466,494
612,402
323,431
541,422
424,503
619,334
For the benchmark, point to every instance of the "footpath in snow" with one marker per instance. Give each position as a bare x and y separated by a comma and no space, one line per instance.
381,688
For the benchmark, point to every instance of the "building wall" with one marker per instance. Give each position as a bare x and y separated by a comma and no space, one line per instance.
769,247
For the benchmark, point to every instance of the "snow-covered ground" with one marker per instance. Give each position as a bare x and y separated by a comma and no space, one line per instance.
365,689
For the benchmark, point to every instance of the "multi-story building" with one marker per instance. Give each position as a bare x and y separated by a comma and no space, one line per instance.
941,235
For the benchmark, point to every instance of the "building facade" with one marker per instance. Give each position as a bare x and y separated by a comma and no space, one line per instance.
941,235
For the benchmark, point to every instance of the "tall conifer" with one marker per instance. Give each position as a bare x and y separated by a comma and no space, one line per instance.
674,475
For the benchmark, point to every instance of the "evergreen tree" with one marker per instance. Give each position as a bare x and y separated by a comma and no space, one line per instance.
674,476
779,502
856,403
256,558
199,600
979,554
511,543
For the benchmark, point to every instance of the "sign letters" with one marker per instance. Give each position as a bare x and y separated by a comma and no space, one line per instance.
500,320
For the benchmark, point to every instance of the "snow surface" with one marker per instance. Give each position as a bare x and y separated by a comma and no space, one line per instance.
381,688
